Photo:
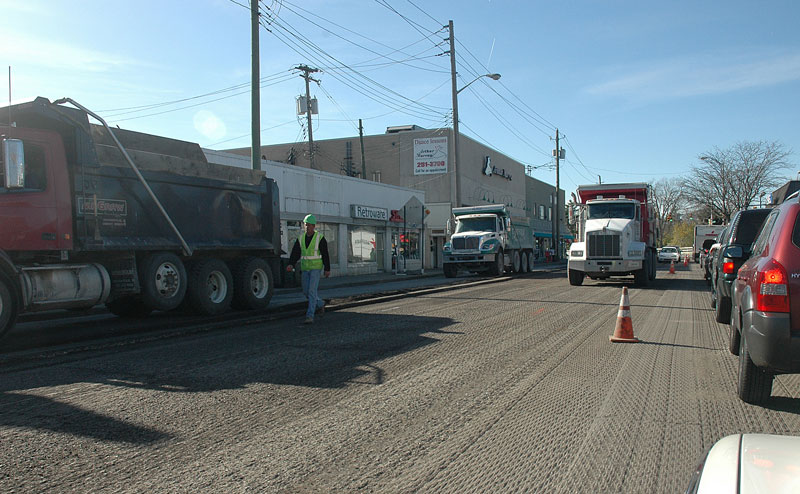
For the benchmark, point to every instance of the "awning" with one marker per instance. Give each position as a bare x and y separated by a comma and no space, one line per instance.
567,236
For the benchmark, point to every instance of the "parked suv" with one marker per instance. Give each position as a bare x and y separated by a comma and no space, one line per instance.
765,323
741,232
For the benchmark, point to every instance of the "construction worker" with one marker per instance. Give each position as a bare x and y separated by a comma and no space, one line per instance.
312,250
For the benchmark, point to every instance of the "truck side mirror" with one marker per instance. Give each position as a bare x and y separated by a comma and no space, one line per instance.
14,163
449,226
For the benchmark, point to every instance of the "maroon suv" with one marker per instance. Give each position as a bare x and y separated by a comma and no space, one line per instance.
765,315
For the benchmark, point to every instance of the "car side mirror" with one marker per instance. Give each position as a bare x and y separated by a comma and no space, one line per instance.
733,252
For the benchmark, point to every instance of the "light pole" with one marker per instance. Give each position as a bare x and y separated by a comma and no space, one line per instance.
455,117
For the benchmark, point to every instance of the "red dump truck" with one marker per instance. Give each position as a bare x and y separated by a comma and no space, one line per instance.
617,233
91,215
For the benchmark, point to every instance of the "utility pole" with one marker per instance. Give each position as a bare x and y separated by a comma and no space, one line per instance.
456,162
255,90
306,71
363,160
556,250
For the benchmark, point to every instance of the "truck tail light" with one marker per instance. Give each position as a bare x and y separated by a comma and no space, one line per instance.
727,267
773,292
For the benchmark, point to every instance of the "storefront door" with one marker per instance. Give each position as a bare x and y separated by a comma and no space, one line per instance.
380,247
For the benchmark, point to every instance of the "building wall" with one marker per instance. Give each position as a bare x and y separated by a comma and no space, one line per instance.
390,159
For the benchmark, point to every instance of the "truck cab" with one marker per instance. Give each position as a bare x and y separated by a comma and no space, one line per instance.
486,238
615,236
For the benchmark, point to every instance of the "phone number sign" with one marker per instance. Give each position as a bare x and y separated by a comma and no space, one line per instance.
430,155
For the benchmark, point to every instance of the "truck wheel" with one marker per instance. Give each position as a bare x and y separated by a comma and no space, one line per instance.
450,270
9,308
252,284
530,261
499,265
652,265
641,277
130,306
755,385
723,310
523,258
163,279
210,287
516,263
576,277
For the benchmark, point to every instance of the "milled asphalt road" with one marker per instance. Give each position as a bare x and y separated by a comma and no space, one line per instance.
503,387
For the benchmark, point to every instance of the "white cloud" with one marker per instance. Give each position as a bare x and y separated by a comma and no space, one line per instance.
209,125
58,55
696,76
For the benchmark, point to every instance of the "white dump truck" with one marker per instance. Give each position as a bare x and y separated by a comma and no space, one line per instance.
488,239
617,233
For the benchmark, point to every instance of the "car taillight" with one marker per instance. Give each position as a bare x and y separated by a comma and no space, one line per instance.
773,292
727,267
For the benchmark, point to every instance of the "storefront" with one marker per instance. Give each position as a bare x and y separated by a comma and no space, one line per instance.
361,220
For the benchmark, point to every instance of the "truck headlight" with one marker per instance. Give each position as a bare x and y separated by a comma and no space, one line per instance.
448,247
576,253
635,253
490,245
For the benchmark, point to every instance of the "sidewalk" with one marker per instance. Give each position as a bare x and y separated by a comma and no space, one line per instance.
349,286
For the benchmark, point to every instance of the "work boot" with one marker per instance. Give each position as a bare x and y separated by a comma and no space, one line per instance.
308,320
320,311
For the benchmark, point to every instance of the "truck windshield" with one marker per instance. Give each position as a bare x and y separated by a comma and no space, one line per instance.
476,225
612,210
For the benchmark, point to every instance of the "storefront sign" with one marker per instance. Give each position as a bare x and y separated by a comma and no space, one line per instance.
490,170
430,155
369,213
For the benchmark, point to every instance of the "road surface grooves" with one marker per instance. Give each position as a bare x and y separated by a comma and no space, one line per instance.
507,387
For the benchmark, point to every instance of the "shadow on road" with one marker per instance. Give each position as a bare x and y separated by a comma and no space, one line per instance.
660,343
339,349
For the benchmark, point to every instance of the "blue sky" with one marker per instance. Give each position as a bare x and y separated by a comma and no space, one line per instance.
640,89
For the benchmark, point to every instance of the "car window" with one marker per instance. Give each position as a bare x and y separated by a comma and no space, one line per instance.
749,225
796,231
763,237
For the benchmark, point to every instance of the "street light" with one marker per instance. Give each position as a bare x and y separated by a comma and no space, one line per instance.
490,76
455,122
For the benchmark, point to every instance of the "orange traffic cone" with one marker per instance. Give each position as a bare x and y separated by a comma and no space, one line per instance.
686,261
672,267
623,333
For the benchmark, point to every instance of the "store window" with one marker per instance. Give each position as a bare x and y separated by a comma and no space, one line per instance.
409,244
294,229
361,244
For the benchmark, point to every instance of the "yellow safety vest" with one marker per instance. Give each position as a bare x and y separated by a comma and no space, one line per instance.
310,257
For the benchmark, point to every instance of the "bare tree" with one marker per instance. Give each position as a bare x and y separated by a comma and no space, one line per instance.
727,180
668,196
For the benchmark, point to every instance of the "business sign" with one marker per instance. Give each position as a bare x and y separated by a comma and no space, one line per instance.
369,213
430,155
99,207
489,169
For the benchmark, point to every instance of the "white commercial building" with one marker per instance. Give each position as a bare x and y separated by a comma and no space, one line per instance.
369,226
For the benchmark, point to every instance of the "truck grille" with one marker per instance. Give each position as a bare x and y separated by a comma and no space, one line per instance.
603,245
465,243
